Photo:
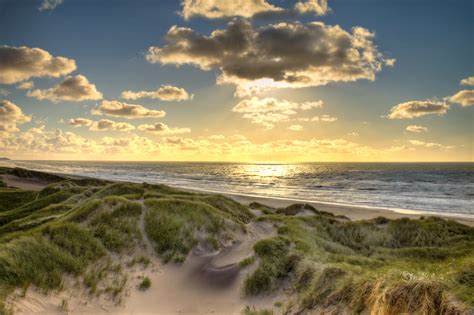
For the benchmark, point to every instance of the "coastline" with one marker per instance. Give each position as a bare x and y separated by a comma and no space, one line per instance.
353,212
233,250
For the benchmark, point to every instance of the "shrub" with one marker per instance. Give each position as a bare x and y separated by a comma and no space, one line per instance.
144,284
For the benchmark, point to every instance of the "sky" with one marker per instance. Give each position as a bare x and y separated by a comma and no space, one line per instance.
242,80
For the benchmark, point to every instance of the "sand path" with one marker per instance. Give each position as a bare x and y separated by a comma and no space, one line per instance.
206,284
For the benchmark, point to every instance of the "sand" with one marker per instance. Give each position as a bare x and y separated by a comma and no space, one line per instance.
204,284
350,211
24,183
354,213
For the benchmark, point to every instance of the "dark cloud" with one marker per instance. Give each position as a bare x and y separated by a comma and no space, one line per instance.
278,55
129,111
21,63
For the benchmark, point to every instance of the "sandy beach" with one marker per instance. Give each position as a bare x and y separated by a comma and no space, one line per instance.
352,212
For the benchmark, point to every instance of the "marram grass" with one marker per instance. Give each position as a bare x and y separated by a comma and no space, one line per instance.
75,226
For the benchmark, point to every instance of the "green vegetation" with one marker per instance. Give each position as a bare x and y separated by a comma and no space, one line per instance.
90,230
145,284
13,198
275,264
253,311
385,266
116,224
247,262
144,261
176,226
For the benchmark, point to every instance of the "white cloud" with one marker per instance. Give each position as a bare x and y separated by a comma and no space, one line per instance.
22,63
4,92
214,9
468,81
319,7
414,109
129,111
73,89
162,129
101,125
310,105
49,4
280,55
415,128
430,145
10,116
25,85
465,98
268,111
324,118
164,93
295,128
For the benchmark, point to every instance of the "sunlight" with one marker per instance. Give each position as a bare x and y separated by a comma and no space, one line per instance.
266,170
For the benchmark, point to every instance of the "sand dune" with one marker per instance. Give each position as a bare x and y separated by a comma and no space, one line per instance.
204,284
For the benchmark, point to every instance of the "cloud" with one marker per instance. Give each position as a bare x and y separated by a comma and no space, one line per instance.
353,134
283,55
295,127
415,128
73,89
164,93
10,116
129,111
213,9
25,85
464,98
101,125
414,109
468,81
267,111
49,4
22,63
216,9
78,122
319,7
324,118
430,145
65,145
216,137
310,105
4,92
162,129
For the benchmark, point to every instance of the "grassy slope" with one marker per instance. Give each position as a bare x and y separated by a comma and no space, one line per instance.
328,263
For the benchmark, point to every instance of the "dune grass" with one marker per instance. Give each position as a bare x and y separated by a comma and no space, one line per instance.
145,284
78,227
176,226
276,263
13,198
116,225
385,266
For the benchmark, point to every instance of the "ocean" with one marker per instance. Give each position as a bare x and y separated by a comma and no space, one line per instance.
437,188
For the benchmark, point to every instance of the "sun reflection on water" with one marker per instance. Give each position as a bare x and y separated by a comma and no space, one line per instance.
268,170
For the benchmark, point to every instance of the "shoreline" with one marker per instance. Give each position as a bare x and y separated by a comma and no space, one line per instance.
353,212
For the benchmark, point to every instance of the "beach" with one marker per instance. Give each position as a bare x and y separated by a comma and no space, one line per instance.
244,255
353,212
